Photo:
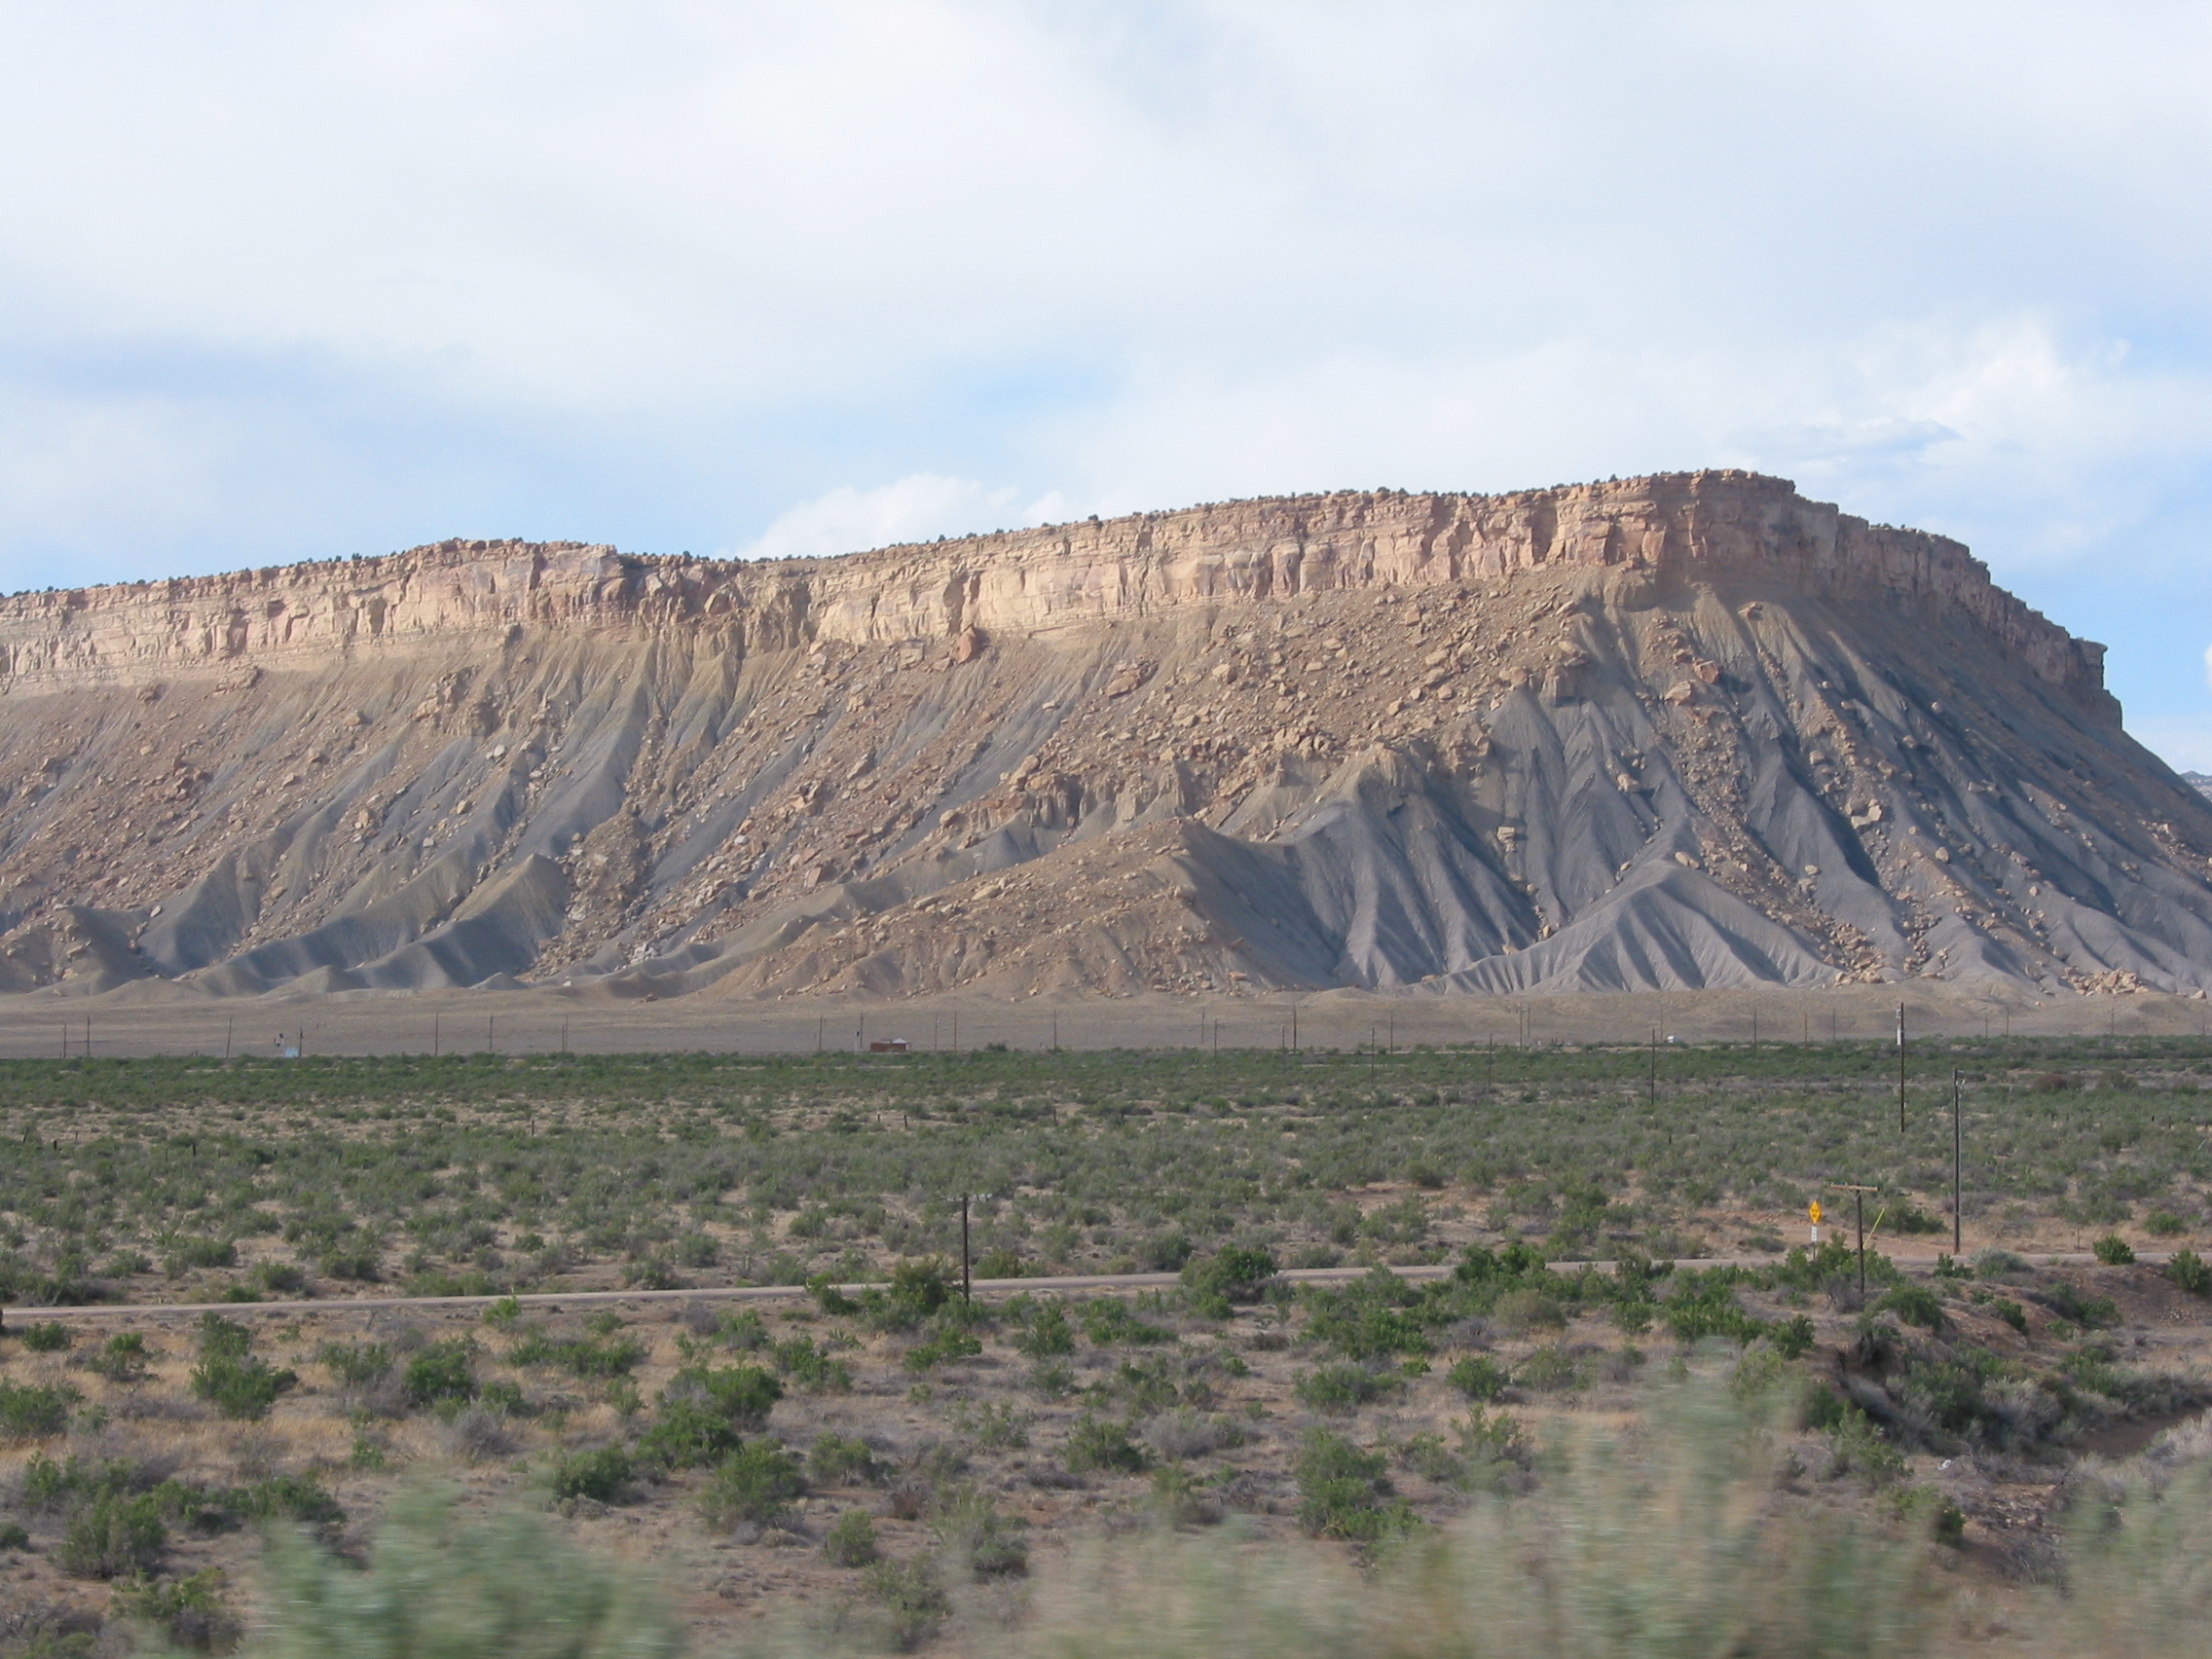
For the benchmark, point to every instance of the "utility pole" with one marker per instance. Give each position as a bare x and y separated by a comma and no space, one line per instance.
1859,1209
1294,1028
436,1032
1901,1068
489,1047
964,1280
1655,1068
228,1024
1958,1169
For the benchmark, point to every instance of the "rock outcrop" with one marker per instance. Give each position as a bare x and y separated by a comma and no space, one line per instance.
1677,731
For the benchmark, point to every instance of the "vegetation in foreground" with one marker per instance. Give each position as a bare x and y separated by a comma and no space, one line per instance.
1688,1534
885,1465
892,1466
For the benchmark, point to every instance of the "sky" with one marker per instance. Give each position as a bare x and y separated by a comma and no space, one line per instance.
284,282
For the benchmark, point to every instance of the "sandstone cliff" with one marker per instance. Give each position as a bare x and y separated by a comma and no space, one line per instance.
1683,730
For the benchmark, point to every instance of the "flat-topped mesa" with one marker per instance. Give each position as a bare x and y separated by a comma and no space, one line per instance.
460,592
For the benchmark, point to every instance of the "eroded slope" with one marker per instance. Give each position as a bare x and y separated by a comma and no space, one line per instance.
1684,731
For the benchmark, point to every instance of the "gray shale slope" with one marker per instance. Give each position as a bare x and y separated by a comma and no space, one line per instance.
1673,732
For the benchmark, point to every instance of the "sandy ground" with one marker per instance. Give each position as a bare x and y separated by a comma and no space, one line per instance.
135,1022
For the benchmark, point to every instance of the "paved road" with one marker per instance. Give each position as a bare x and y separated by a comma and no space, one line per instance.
558,1299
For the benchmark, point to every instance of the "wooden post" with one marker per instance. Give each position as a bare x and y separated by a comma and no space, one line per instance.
964,1280
1901,1068
1859,1210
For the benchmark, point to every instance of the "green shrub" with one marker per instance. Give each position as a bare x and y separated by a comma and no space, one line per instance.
1552,1370
2113,1250
282,1278
356,1364
1530,1310
242,1389
1915,1305
969,1527
600,1354
440,1371
1228,1278
1048,1335
230,1377
744,1331
755,1483
2091,1312
53,1336
13,1537
812,1368
113,1537
2165,1224
599,1474
917,1290
361,1263
836,1461
299,1498
1107,1320
705,1412
1792,1338
1478,1377
912,1601
122,1359
503,1313
1343,1492
993,1423
945,1344
850,1540
1341,1387
188,1613
192,1253
2189,1270
1705,1304
439,1585
224,1336
1096,1445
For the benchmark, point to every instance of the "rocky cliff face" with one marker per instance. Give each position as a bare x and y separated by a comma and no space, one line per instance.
1684,730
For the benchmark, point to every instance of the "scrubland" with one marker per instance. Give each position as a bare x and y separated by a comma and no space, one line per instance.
1651,1455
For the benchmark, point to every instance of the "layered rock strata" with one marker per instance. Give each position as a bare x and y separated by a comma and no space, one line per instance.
1677,731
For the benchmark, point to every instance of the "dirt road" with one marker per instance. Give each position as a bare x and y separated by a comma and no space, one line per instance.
559,1299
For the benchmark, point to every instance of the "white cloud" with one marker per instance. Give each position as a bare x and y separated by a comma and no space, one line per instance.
278,281
915,508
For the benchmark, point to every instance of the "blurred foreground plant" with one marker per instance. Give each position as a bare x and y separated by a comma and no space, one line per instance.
440,1588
